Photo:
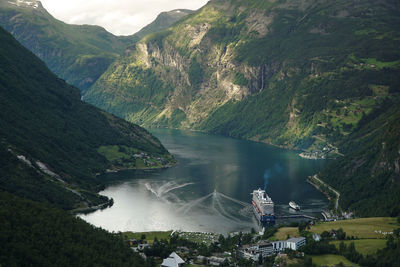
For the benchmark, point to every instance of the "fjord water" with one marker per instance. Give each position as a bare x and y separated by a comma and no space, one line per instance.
209,189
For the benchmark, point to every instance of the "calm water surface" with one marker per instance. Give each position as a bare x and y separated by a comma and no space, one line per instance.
209,190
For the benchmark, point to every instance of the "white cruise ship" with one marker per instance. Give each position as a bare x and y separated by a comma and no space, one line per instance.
263,206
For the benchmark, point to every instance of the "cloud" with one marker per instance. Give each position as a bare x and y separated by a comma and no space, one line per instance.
121,17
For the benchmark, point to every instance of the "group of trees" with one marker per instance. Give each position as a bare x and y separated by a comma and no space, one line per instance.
37,234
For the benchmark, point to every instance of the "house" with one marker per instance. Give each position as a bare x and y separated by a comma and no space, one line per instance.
316,237
213,260
142,246
183,249
173,261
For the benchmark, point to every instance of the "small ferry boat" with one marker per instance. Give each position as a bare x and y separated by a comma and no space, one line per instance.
293,205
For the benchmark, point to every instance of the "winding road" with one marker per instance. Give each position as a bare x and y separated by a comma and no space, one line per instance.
325,184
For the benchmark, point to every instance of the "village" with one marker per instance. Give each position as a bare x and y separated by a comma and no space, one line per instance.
296,244
209,249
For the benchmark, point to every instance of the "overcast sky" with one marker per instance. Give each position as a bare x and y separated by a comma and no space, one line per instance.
121,17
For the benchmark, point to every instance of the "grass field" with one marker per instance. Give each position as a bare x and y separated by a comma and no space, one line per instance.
330,260
285,231
360,228
149,235
364,246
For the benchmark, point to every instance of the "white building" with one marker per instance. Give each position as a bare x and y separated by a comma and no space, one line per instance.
266,248
253,251
293,243
173,261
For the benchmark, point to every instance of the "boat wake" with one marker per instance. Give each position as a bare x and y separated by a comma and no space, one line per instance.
214,204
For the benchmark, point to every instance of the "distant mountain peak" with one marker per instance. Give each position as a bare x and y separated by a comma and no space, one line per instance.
23,3
163,21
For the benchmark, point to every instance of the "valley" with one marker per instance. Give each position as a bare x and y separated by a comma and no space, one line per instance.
234,96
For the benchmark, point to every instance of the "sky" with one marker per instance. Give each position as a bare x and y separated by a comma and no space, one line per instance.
120,17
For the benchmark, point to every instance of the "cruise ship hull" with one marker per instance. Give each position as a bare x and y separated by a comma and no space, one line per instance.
263,218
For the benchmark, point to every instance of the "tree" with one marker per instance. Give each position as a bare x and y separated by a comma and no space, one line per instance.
342,248
340,234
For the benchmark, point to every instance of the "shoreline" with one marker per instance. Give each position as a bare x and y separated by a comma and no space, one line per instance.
324,192
300,152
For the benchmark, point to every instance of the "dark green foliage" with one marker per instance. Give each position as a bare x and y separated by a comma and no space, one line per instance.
318,248
340,234
33,234
158,37
240,79
195,73
269,232
19,179
366,177
162,248
225,32
233,119
43,119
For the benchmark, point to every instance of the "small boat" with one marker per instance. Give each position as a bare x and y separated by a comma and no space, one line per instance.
293,205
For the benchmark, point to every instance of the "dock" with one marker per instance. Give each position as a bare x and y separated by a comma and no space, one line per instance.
295,216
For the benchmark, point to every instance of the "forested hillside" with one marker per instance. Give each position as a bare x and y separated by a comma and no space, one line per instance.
62,141
36,234
368,177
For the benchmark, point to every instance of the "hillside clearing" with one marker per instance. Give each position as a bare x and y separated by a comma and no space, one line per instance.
331,260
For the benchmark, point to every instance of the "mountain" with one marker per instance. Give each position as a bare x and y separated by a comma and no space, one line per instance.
303,75
297,74
52,144
77,53
162,22
368,177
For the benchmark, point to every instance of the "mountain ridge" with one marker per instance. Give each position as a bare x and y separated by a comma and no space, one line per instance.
163,20
77,53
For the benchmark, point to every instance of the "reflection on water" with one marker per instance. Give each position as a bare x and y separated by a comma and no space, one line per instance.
209,190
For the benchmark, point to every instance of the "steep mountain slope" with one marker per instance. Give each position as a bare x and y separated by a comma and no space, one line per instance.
299,74
52,144
77,53
368,177
162,22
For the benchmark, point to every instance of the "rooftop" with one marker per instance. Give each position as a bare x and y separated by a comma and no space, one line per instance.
172,261
295,239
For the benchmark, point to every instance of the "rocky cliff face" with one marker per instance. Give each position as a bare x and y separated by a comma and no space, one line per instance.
292,73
